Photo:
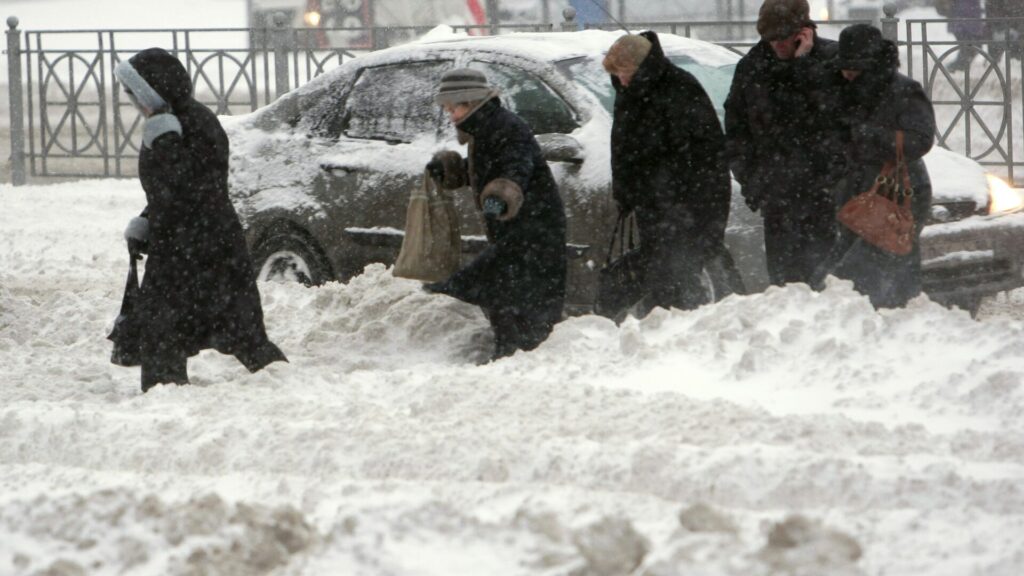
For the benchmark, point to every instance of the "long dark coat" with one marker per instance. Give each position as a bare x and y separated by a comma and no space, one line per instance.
973,29
522,270
667,149
873,112
199,289
780,130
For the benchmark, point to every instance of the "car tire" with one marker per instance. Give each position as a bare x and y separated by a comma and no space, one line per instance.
290,256
970,303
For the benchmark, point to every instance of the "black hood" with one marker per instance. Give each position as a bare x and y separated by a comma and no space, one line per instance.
165,74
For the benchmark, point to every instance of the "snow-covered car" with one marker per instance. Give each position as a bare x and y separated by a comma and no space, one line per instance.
322,176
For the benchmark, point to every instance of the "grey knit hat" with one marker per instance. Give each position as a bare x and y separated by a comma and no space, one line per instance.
463,85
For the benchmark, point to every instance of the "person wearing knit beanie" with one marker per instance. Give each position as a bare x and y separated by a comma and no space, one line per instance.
519,280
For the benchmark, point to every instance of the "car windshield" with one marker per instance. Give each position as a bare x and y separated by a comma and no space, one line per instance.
587,72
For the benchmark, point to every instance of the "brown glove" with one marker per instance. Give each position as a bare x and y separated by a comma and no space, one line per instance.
448,168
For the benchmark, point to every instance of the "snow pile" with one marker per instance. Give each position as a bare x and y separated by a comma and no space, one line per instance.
788,432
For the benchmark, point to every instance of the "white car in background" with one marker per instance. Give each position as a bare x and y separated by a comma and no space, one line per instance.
322,176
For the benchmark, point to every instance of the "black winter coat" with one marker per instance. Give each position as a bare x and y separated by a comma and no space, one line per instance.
873,112
780,127
668,147
199,289
523,268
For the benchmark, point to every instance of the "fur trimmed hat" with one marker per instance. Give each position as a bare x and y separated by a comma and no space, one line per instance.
629,51
779,19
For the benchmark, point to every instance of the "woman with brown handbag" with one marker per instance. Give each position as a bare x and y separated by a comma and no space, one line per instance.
882,111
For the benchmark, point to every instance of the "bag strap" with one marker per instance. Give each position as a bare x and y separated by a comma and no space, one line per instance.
902,169
131,287
895,175
623,233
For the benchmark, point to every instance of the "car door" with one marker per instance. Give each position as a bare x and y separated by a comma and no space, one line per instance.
388,132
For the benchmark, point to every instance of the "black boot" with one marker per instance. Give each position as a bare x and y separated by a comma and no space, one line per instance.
164,371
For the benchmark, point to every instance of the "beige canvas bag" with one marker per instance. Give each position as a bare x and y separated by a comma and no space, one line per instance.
432,245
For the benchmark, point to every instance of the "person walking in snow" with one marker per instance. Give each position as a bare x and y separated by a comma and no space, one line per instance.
518,280
966,26
876,102
779,129
669,167
199,289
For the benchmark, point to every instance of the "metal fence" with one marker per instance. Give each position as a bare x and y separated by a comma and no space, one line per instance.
978,100
74,120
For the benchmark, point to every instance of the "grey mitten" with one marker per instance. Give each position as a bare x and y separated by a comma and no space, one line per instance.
137,235
157,125
138,229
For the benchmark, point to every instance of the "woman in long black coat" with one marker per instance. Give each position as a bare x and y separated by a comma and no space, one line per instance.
519,278
199,289
877,101
669,166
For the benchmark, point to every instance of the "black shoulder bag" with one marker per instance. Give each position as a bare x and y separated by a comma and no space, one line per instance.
620,283
127,334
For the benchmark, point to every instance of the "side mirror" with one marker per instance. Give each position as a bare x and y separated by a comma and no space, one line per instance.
560,148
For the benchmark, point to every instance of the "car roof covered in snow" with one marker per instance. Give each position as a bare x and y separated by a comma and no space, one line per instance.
555,46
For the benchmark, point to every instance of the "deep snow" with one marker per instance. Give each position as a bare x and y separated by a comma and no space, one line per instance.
786,432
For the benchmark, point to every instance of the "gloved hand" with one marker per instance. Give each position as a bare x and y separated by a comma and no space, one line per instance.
494,206
753,201
436,169
137,235
448,169
157,125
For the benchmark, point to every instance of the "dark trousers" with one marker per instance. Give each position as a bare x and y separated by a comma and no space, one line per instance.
518,330
164,369
674,261
796,244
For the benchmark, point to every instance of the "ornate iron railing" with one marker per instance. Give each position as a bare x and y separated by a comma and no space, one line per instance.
80,125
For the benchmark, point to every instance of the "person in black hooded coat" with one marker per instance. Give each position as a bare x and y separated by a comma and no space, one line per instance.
876,102
519,279
668,165
199,289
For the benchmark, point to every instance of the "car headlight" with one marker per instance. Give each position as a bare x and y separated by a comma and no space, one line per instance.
1002,198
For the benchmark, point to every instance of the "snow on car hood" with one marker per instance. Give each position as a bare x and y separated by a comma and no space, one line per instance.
956,177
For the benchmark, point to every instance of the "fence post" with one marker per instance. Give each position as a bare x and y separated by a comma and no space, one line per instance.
890,23
569,20
17,110
281,41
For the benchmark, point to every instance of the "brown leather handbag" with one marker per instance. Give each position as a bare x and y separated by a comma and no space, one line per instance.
882,215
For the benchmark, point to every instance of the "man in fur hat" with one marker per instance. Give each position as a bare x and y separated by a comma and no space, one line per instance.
780,132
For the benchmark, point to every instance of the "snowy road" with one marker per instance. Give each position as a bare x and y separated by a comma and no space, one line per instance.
787,432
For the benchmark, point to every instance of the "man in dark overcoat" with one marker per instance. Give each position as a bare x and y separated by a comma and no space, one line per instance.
199,289
669,166
780,130
519,278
